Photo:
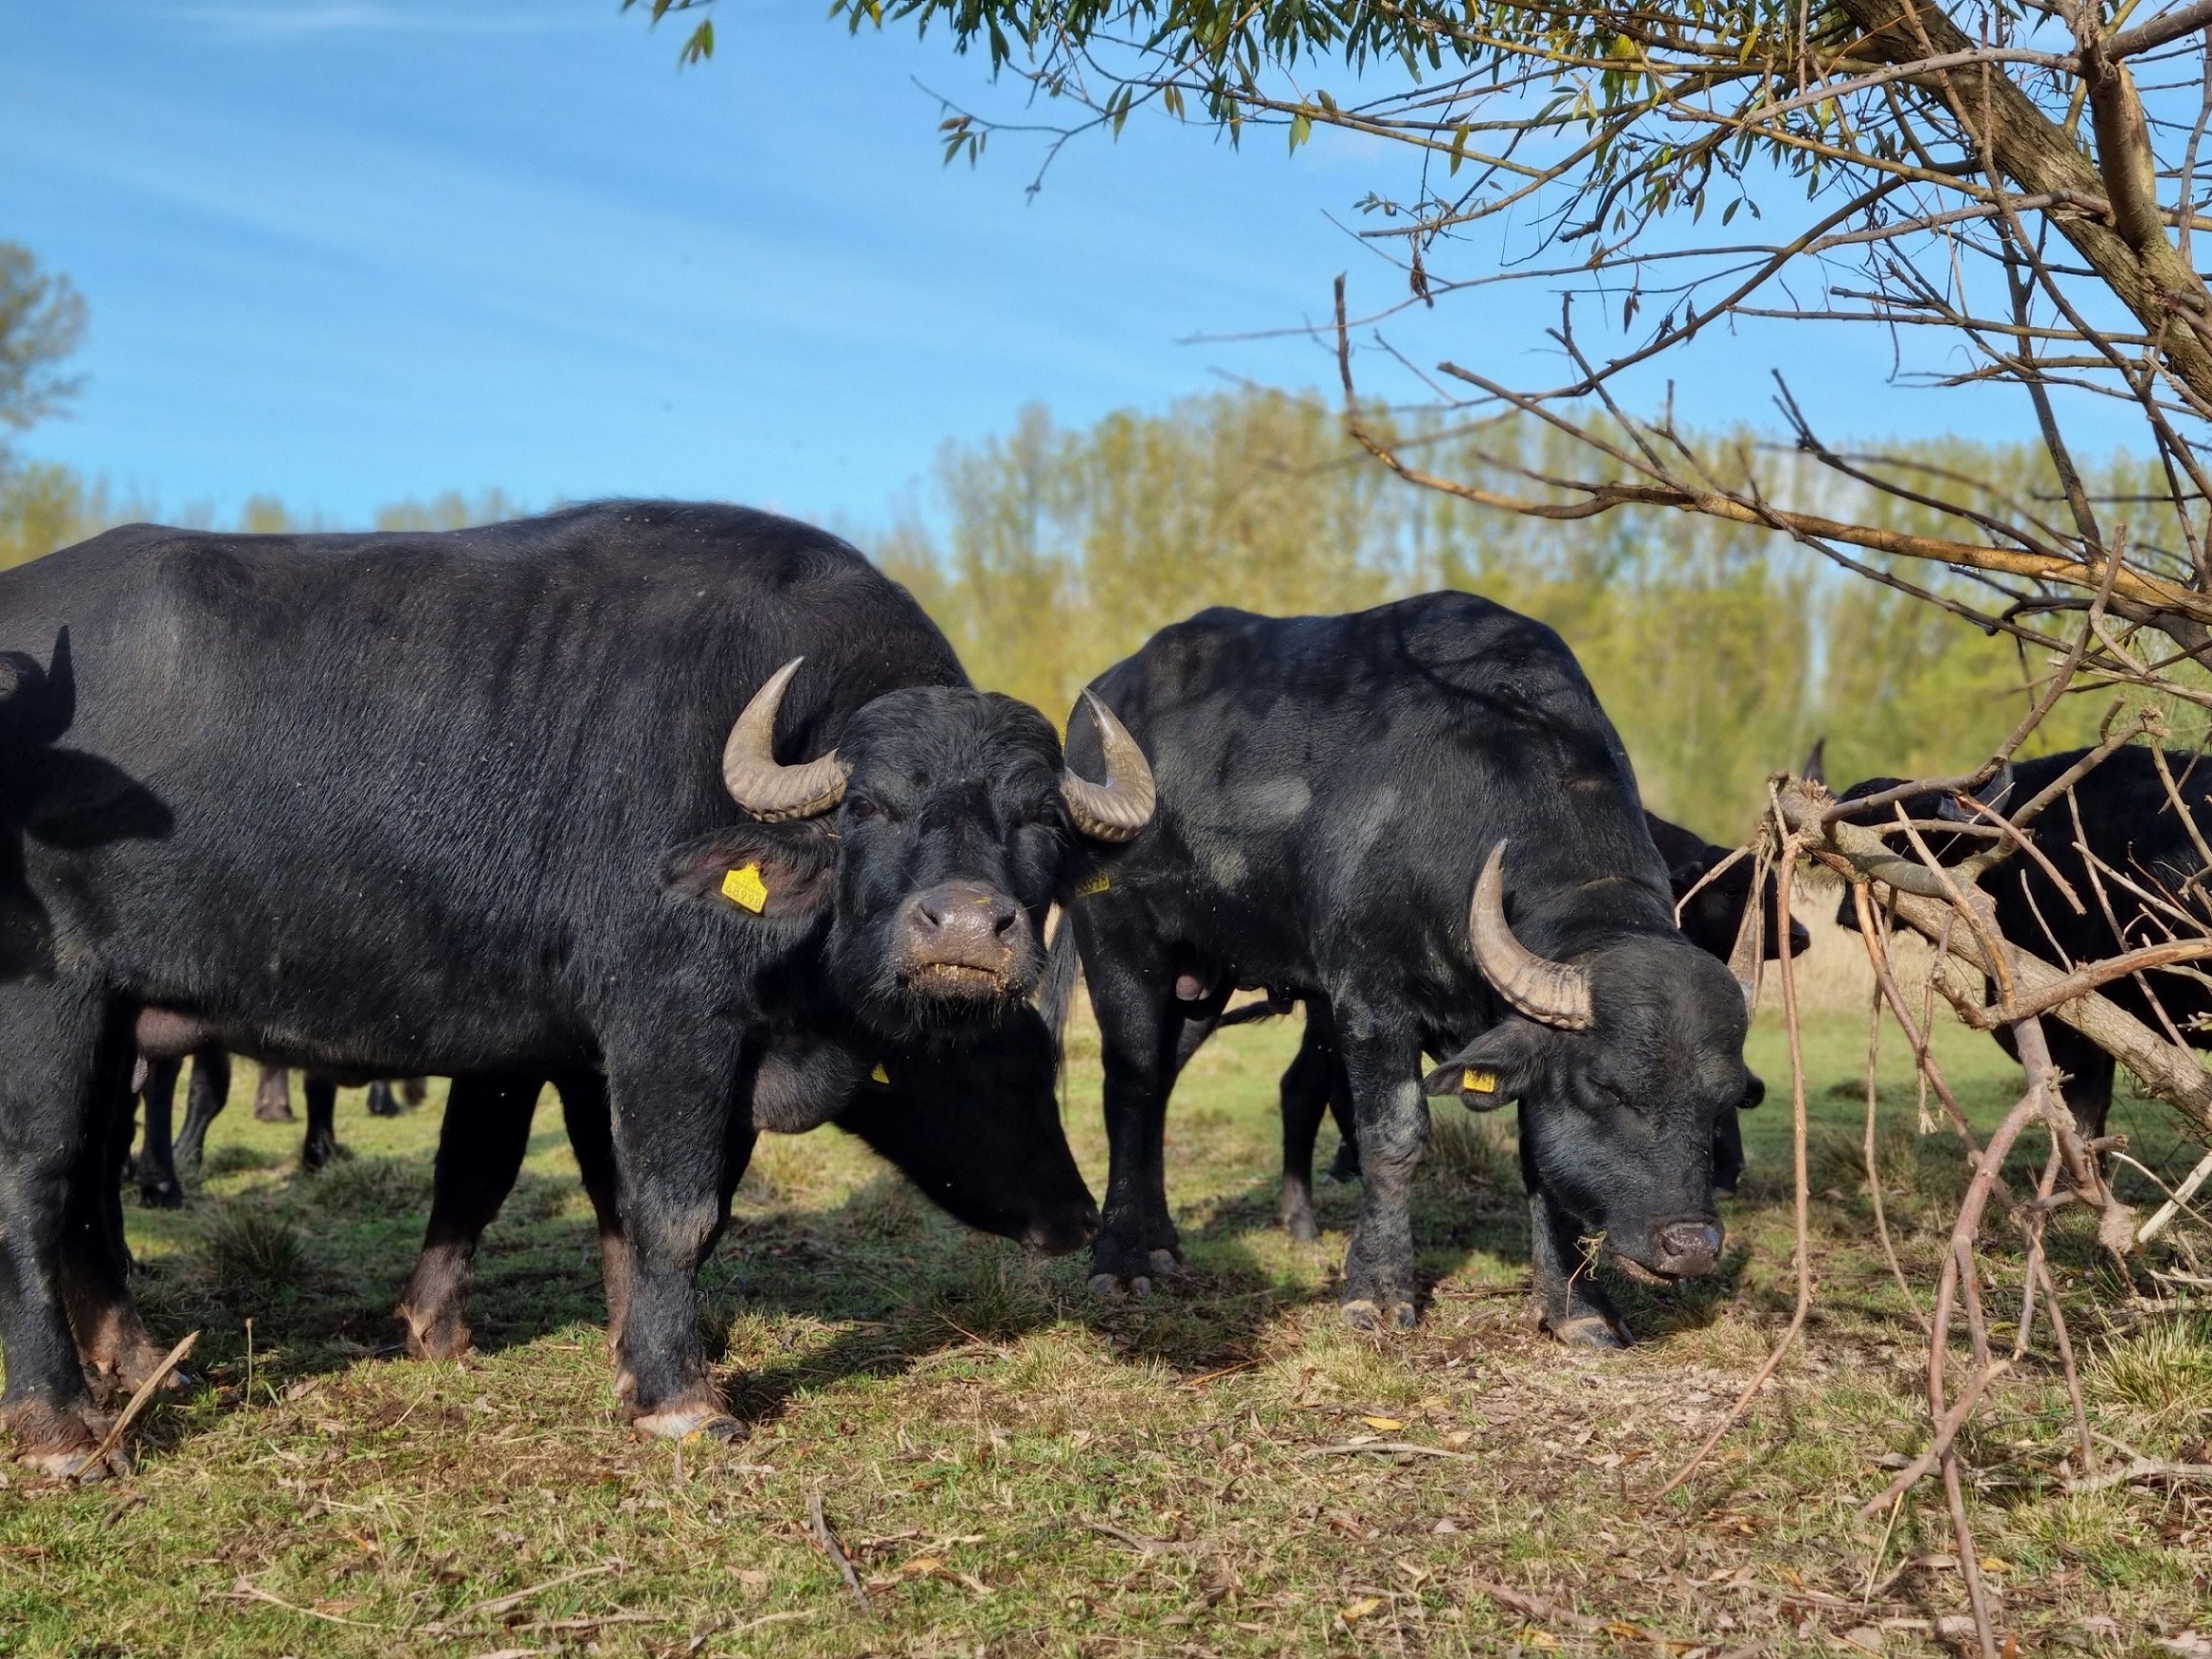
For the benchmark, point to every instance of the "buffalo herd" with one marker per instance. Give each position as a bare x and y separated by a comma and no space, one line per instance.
691,813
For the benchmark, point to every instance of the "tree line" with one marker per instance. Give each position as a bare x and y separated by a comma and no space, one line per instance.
1722,652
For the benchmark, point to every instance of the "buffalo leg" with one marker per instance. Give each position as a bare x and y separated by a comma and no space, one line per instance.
1309,1082
1569,1304
1727,1154
591,1136
155,1169
2089,1075
1381,1287
95,1260
50,1040
203,1102
671,1106
480,1148
1139,1031
382,1103
322,1144
273,1096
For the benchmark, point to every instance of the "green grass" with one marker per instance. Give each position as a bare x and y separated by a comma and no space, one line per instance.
1015,1468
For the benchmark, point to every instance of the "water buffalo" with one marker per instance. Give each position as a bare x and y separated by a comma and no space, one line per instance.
1314,1085
1329,790
655,772
2127,819
975,1126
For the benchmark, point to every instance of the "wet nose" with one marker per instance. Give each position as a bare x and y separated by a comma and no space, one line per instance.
1688,1249
964,924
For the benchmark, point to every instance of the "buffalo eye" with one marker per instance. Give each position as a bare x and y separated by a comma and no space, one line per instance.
860,808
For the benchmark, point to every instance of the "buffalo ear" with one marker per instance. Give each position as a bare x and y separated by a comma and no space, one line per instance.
1500,1065
776,870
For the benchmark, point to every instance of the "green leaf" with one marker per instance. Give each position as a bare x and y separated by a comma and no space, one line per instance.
1301,129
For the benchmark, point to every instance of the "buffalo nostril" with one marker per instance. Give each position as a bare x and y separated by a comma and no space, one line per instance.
1691,1247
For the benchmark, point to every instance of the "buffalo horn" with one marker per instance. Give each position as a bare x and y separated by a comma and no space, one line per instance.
1553,993
1117,809
771,792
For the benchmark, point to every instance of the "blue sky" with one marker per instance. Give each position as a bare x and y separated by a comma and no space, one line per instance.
349,250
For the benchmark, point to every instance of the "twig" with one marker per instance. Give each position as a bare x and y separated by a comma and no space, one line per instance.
2163,1216
1946,1430
1394,1445
827,1539
113,1438
2142,1468
1535,1607
515,1598
247,1591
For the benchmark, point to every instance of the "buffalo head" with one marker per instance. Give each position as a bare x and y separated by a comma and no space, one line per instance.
1625,1062
929,838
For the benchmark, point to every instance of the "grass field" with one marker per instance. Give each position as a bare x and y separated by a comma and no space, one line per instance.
1015,1468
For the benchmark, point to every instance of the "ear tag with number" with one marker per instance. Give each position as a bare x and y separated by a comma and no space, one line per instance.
1090,884
880,1075
743,887
1479,1082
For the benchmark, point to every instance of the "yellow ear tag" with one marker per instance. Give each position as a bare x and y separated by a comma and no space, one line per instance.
744,885
1479,1082
880,1075
1096,884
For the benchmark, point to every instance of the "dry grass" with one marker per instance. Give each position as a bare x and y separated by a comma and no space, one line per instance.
1016,1469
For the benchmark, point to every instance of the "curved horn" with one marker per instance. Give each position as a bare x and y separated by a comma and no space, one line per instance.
1117,809
756,782
1554,993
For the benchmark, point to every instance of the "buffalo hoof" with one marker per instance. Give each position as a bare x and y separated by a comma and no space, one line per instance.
1593,1330
1300,1225
1378,1317
160,1195
683,1421
270,1111
322,1154
439,1338
66,1443
1110,1285
1165,1261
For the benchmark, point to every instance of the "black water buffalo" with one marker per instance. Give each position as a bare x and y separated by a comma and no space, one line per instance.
2127,819
562,841
975,1126
1329,788
1314,1085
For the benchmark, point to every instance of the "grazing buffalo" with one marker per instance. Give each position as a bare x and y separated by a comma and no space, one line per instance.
1329,788
2149,888
605,821
975,1126
1314,1085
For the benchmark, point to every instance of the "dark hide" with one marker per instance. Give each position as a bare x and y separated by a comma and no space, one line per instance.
1314,1085
1328,788
221,809
975,1126
2129,823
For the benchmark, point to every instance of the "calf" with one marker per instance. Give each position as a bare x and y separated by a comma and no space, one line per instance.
2128,820
1328,788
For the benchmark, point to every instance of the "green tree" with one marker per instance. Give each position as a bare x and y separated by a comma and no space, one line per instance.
42,323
